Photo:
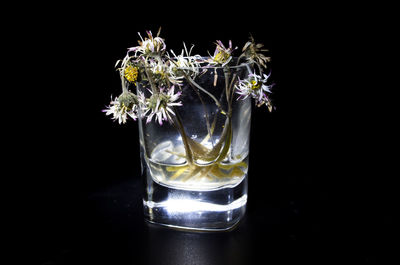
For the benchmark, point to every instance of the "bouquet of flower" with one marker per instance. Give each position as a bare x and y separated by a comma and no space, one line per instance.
159,79
164,73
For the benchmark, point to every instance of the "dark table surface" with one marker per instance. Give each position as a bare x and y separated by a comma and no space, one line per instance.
281,225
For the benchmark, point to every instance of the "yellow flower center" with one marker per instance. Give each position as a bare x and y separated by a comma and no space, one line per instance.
163,74
131,73
124,108
255,85
221,57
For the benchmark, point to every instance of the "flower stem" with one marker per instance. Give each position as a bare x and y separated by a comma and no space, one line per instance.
152,85
191,81
122,72
227,94
231,88
240,57
228,141
123,82
205,114
181,129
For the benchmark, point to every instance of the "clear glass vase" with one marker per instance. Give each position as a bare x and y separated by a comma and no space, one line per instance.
194,168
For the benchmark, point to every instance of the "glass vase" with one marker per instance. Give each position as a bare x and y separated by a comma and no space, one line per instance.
194,168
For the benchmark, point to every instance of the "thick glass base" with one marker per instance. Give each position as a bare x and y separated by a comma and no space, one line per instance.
214,210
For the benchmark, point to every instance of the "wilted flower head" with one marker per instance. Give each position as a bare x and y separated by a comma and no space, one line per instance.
160,105
184,64
157,67
149,45
256,87
160,72
253,52
122,107
222,55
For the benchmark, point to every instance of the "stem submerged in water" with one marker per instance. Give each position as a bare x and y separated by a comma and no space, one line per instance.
178,124
205,115
197,151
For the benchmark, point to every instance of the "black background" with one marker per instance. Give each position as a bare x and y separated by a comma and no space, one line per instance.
316,191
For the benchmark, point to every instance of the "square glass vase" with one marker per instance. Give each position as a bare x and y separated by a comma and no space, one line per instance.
194,167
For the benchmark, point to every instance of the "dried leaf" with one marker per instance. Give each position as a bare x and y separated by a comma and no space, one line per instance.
246,46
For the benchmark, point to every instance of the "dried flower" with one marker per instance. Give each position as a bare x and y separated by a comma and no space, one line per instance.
122,107
149,45
253,52
160,105
222,56
184,64
256,87
160,72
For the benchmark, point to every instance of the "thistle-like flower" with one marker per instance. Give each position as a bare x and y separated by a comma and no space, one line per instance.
122,107
160,72
149,45
160,105
184,64
253,52
256,87
222,56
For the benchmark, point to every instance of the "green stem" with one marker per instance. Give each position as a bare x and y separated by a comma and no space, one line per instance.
227,74
152,85
231,88
205,114
202,89
227,144
181,129
225,140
